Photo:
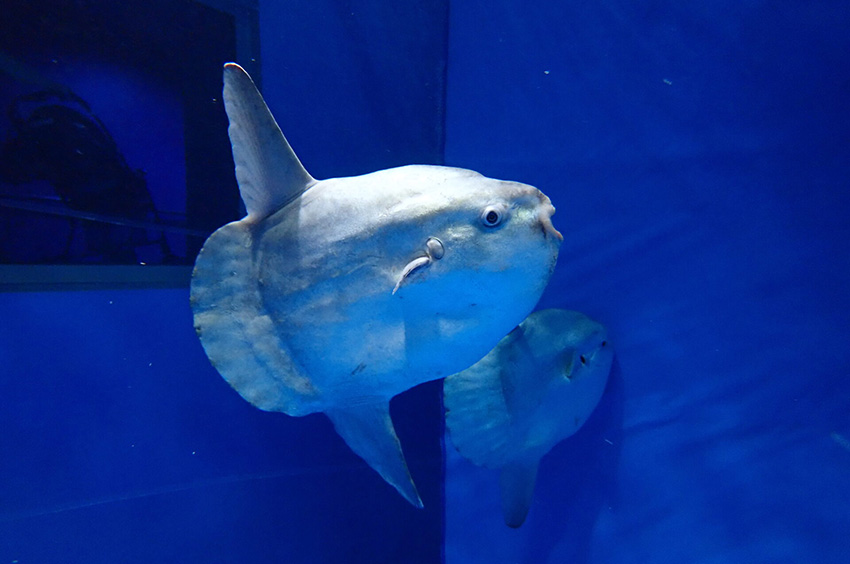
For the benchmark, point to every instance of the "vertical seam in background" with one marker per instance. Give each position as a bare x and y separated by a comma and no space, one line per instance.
444,86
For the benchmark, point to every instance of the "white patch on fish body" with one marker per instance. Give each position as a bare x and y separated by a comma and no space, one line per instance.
336,295
536,388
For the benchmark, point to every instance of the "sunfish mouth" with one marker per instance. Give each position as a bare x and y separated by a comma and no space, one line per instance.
544,215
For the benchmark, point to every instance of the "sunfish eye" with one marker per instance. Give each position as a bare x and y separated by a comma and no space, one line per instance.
492,216
583,359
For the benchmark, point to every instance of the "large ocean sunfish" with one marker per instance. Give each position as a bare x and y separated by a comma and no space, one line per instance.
534,389
335,295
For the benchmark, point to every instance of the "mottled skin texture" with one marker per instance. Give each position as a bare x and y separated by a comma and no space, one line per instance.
326,286
330,290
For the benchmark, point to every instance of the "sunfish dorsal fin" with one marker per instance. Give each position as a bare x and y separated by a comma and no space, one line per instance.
368,431
267,170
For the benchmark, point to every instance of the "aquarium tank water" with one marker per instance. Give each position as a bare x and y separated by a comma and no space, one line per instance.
698,156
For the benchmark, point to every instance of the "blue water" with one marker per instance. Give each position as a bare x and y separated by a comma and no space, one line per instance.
699,159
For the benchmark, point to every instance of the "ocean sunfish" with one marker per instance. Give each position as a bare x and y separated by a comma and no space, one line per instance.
335,295
534,389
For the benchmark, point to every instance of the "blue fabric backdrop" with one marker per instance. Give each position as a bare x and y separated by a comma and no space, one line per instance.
699,158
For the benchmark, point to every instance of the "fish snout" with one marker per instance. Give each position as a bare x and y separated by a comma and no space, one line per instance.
545,211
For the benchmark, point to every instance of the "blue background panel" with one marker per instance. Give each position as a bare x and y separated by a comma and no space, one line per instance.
121,443
698,157
356,86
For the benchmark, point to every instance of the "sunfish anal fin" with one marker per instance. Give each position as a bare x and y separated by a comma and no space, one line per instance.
267,170
517,485
368,431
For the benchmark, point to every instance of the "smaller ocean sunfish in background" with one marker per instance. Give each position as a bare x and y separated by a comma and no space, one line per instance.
534,389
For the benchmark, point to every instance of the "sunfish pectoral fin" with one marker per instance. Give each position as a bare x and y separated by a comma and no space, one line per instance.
267,170
517,485
368,431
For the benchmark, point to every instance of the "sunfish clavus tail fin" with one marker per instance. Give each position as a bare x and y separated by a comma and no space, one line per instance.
517,485
267,170
368,431
237,333
230,317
